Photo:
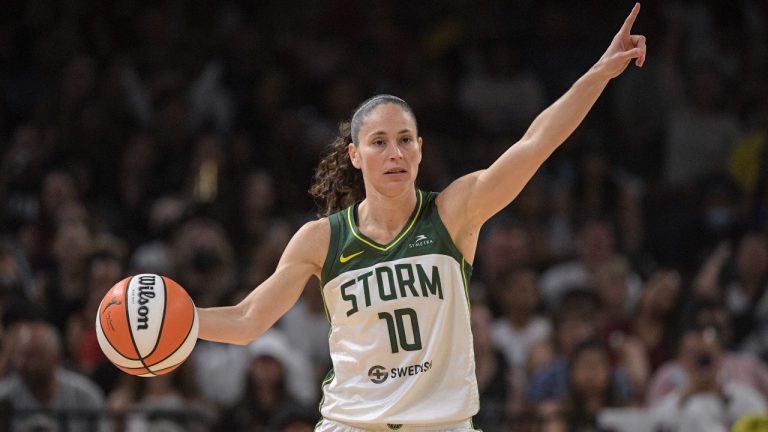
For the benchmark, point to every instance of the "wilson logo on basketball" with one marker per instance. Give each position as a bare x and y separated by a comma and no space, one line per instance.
146,293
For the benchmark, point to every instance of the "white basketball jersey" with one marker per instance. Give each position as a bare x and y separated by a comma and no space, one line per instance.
400,337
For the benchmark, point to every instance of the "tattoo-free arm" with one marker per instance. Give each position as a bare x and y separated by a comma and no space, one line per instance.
478,196
244,322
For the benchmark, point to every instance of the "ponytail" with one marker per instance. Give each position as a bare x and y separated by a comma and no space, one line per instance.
337,184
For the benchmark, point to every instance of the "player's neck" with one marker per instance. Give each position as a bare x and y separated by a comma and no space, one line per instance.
386,213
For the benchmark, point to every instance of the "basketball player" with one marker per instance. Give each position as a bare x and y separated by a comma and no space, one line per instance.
394,261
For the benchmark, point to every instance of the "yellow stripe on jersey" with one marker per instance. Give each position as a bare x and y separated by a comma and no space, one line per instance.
353,228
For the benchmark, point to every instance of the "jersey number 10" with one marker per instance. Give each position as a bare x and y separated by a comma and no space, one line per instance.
398,321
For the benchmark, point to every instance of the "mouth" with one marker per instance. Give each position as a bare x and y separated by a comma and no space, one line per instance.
395,171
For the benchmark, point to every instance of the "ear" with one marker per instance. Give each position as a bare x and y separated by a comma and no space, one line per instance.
354,155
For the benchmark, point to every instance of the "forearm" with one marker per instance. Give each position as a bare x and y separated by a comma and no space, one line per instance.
227,324
483,193
706,284
261,309
498,185
556,123
257,312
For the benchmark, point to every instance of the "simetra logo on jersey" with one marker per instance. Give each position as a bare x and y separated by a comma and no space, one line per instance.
420,240
378,374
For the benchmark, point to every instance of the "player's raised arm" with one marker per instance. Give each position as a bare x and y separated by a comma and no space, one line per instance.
240,324
478,196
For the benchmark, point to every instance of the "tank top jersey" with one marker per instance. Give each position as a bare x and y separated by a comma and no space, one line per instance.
400,338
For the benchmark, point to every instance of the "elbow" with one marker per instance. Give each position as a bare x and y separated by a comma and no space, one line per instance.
250,328
246,337
242,342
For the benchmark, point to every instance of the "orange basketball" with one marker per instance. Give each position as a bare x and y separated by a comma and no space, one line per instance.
147,325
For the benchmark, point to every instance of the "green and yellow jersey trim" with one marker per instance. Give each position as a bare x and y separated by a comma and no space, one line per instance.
361,237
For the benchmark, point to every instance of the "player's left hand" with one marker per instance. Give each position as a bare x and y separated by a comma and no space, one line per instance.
623,48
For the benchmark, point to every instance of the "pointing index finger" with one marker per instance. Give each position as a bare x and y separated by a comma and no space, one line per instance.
630,21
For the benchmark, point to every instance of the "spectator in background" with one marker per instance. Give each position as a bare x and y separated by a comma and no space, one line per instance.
595,245
223,374
709,400
59,187
73,242
256,213
104,269
507,248
521,326
40,383
15,276
155,255
22,168
293,419
591,386
220,373
719,208
745,293
611,284
546,219
600,190
137,182
575,320
265,254
700,125
498,94
306,327
169,401
616,304
653,322
204,260
494,375
737,367
277,378
12,296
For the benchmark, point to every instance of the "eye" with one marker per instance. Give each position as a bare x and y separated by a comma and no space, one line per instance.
378,142
406,140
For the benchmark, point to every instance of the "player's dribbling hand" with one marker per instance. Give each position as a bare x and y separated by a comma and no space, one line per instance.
623,48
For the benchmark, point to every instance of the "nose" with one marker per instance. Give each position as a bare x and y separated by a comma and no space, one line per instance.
394,150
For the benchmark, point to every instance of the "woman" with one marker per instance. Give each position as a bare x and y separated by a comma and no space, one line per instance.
590,386
402,351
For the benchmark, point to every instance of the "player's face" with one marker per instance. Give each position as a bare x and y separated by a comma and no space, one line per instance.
388,150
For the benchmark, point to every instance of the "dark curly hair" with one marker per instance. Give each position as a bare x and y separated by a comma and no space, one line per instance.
337,184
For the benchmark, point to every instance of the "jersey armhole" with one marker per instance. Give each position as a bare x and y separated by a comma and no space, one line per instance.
333,248
442,231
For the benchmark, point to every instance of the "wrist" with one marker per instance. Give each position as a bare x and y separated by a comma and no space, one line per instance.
598,74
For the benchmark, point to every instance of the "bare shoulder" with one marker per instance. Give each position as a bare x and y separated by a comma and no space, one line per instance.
316,229
310,244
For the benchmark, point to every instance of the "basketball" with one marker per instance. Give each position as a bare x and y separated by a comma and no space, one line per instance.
147,325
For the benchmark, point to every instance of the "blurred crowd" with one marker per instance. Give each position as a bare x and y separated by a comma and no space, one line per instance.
180,138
